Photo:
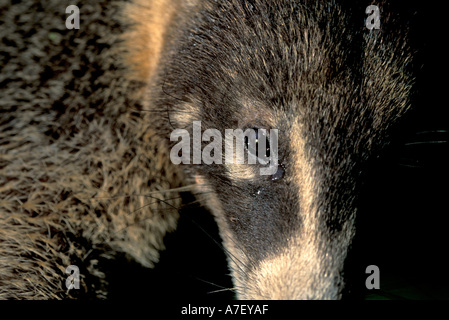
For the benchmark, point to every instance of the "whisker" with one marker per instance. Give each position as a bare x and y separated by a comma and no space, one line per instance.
143,110
426,142
165,201
432,131
237,245
180,189
409,165
222,290
188,188
211,283
232,256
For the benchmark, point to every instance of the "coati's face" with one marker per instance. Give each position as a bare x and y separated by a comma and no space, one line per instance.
330,87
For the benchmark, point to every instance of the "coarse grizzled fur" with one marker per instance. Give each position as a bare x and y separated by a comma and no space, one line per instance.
76,153
78,150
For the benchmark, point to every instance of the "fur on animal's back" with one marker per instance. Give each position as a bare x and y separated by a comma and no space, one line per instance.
80,176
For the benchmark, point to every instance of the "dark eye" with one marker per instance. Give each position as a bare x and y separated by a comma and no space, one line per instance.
257,142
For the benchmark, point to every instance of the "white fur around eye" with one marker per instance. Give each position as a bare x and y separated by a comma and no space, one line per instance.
242,171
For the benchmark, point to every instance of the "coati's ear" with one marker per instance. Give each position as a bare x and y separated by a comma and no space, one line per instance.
150,24
145,36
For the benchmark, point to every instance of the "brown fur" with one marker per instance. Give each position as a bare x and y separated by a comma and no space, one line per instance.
151,27
77,154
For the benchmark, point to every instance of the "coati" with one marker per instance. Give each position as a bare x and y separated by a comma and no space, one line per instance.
313,71
85,174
